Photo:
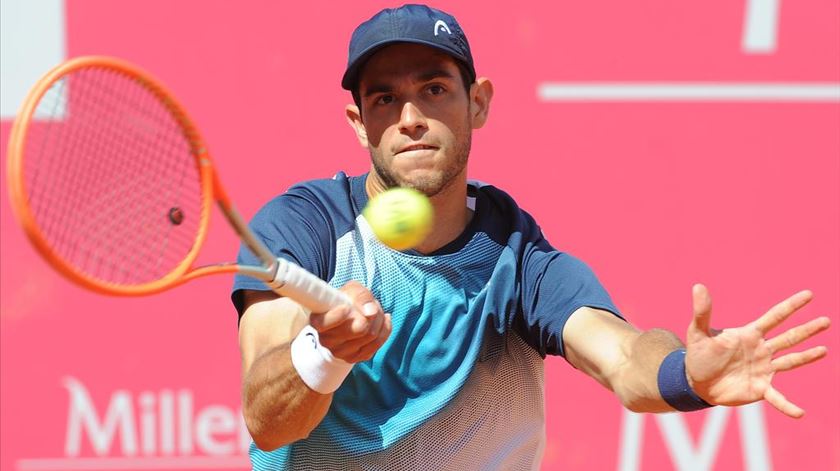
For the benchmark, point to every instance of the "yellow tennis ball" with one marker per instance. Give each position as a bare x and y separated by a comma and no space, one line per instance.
400,217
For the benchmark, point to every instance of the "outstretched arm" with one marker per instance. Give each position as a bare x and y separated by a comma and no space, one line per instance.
729,367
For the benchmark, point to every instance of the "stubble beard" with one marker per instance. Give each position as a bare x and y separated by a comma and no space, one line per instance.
429,185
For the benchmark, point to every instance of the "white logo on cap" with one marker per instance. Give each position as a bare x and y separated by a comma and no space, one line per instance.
440,25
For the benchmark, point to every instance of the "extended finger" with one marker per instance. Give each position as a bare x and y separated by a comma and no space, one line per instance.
367,351
798,334
330,319
357,327
354,327
339,314
364,302
795,360
375,318
359,295
358,321
702,307
780,402
362,348
378,336
778,313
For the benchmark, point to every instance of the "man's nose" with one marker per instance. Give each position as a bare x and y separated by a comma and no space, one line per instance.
411,118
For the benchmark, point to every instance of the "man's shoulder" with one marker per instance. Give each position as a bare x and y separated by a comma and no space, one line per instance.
338,187
326,193
498,203
325,203
501,217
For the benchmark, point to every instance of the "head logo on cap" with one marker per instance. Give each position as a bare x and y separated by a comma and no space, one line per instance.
440,25
406,24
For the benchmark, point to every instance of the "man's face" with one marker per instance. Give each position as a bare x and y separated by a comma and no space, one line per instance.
416,116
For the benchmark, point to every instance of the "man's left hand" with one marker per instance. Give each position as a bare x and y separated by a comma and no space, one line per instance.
736,366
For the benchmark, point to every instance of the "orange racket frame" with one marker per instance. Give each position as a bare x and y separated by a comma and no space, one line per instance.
283,277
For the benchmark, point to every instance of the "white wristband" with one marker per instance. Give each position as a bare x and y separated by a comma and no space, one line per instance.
315,364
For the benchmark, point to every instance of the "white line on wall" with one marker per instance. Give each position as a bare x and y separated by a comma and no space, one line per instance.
818,92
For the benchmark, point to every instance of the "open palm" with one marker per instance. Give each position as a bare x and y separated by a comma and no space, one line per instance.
736,366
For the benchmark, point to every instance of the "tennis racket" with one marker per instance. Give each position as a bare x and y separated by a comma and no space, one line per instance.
114,186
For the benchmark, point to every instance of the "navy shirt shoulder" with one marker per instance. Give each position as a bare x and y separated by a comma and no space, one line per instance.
551,284
302,225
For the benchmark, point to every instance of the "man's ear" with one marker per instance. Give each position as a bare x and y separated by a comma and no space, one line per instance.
481,93
354,119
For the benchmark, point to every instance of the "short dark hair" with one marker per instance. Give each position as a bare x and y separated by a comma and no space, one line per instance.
466,79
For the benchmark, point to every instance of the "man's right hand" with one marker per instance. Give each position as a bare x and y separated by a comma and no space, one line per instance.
353,334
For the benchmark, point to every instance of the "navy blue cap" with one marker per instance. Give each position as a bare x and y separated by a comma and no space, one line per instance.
418,24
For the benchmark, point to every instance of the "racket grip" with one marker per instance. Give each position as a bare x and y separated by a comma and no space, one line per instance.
307,289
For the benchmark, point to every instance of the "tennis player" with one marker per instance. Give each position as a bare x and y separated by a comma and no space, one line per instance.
439,364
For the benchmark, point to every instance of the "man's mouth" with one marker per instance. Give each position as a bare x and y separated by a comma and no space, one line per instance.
416,147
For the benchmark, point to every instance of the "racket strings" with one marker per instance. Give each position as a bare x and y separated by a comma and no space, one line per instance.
167,185
106,165
68,171
90,183
153,261
171,191
82,182
123,194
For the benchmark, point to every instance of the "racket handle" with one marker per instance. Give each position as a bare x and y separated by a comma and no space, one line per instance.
307,289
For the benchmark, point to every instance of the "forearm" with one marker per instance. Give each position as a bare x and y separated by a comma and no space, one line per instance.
278,407
292,360
635,380
619,356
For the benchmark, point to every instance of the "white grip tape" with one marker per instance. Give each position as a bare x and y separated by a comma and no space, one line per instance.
307,289
315,364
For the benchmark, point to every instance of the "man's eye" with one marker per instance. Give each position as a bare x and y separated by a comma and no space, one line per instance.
436,89
385,99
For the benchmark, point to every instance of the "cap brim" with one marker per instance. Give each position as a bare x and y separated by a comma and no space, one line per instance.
351,75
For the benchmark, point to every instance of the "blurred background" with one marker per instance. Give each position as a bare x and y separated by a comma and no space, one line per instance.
665,143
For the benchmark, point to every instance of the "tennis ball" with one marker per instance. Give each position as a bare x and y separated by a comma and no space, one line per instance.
400,217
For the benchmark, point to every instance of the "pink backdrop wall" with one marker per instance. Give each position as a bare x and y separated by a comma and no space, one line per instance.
655,195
